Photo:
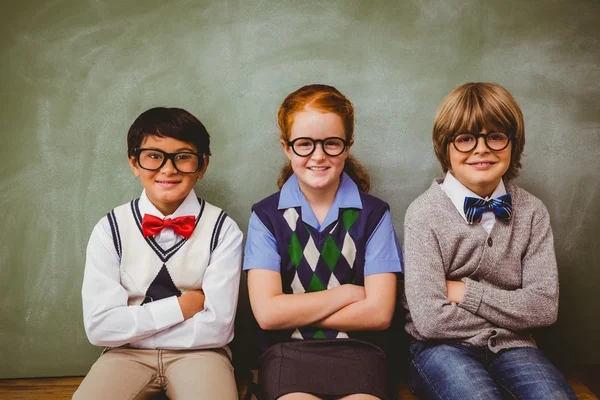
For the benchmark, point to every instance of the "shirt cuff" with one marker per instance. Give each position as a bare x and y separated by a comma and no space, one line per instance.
165,312
381,266
473,295
262,263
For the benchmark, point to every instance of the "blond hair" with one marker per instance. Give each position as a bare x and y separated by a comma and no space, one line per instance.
472,107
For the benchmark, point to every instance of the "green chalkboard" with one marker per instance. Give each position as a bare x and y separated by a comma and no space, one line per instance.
75,74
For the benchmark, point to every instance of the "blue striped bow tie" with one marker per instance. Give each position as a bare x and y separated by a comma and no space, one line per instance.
501,206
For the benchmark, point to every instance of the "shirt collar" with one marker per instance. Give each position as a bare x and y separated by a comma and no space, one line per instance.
347,196
190,206
457,192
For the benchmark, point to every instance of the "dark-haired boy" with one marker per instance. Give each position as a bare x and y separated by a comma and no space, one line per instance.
162,273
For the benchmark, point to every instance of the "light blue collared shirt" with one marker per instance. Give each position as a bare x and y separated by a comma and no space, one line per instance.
382,253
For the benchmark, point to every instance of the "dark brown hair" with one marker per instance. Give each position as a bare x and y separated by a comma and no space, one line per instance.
175,123
472,107
326,99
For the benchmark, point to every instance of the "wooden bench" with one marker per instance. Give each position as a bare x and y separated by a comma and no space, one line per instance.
64,387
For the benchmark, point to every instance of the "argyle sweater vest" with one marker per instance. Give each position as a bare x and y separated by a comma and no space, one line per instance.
149,272
312,261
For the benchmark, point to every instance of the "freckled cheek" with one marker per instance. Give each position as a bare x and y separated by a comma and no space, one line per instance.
298,164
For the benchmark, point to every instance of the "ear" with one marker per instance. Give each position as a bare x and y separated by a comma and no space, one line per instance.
286,149
204,168
133,164
350,145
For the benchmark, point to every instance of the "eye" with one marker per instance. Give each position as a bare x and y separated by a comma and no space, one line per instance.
497,137
155,155
334,143
183,156
466,138
303,143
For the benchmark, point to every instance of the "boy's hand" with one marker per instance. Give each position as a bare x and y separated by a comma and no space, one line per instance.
191,302
455,291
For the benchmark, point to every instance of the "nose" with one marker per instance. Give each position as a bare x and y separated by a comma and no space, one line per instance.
318,153
169,166
481,146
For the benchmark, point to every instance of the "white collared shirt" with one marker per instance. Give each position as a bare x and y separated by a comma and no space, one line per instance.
160,324
457,192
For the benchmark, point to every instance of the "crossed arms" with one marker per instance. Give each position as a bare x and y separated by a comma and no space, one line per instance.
197,319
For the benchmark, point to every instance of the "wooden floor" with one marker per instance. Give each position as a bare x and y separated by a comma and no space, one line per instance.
41,388
63,388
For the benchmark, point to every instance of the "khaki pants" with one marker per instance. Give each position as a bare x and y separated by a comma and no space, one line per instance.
127,373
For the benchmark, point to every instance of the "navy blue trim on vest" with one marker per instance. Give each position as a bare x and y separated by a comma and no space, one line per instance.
114,229
217,231
164,255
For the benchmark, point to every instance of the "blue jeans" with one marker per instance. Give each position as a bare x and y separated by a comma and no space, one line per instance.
452,371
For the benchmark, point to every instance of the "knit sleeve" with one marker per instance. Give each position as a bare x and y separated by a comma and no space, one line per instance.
533,305
433,315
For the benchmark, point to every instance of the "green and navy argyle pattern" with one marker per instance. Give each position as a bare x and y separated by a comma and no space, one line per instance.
321,260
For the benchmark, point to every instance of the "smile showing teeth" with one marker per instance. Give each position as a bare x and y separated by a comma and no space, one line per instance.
317,168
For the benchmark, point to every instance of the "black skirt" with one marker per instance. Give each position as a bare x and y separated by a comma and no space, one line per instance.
337,367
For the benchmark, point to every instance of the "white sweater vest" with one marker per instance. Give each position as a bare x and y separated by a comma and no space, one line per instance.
149,272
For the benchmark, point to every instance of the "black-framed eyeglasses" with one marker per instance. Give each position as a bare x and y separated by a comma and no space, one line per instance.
495,141
332,146
186,162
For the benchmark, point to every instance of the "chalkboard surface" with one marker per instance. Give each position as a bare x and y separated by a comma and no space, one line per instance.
75,74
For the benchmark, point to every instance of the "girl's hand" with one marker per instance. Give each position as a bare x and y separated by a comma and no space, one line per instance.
455,291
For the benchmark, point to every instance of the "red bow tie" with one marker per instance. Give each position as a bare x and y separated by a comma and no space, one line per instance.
183,226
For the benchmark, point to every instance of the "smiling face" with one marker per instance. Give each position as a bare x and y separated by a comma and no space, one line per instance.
481,169
166,188
471,107
317,173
